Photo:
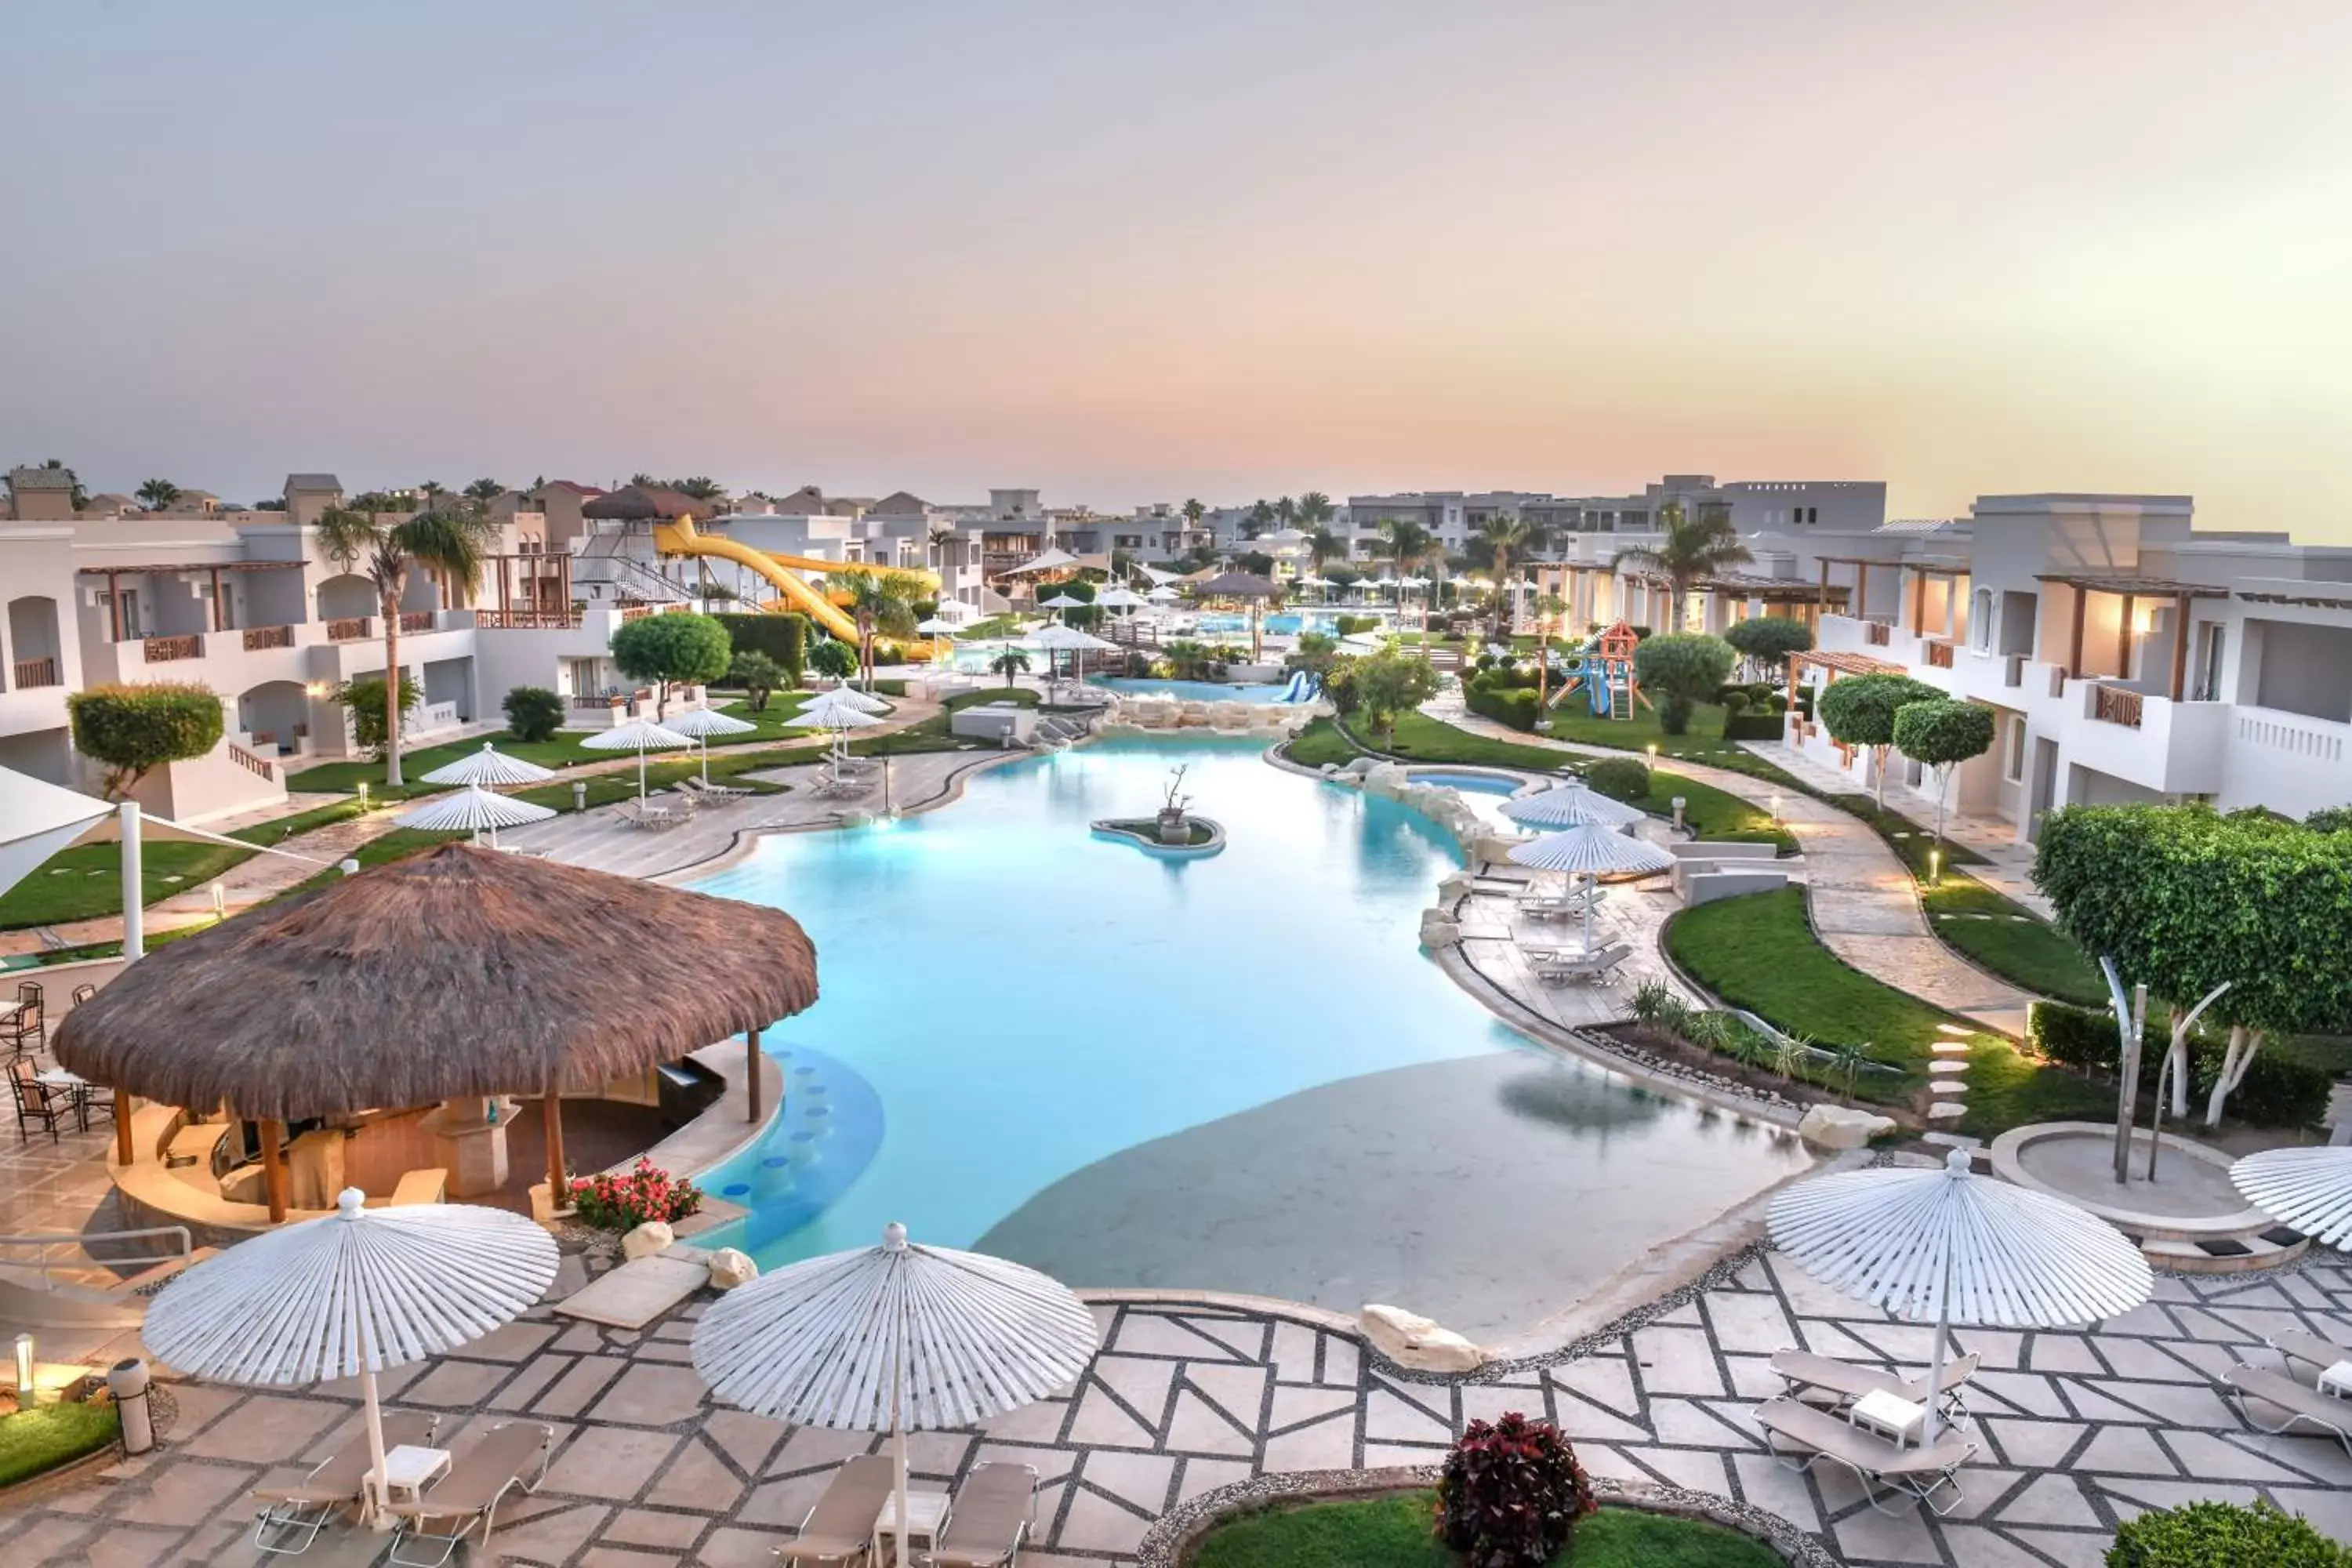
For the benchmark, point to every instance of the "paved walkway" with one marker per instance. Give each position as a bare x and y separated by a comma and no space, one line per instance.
2076,1430
1864,903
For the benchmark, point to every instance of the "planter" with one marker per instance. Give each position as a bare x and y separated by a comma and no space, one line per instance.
1175,828
1201,838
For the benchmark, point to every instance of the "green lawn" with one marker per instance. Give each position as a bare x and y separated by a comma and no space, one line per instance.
1420,739
2008,1089
42,1438
2001,936
931,735
85,883
1397,1533
1714,815
1321,744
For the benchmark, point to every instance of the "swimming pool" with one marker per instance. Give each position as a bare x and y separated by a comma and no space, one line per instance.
1184,690
1228,1074
1484,793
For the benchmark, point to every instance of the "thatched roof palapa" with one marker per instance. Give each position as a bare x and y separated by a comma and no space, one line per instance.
1239,585
457,972
640,503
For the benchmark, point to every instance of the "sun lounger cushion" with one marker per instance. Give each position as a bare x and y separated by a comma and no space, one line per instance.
1920,1469
1803,1370
485,1472
2309,1349
989,1517
841,1525
2297,1401
338,1478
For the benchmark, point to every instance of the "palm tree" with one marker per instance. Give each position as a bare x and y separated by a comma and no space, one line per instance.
878,602
940,538
432,491
1325,545
1193,512
1690,550
450,540
81,496
1261,518
1549,608
1315,509
1285,511
1008,663
157,494
701,486
484,490
1501,536
1408,544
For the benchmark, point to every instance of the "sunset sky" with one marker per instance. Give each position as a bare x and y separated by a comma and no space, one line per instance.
1128,253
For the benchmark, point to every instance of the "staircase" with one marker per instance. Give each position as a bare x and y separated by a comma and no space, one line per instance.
32,1296
604,558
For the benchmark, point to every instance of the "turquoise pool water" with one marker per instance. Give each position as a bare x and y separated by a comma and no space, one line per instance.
1185,690
1482,793
1126,1068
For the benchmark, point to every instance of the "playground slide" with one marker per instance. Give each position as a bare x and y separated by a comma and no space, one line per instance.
680,538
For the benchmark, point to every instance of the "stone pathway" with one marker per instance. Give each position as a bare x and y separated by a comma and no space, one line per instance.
2077,1430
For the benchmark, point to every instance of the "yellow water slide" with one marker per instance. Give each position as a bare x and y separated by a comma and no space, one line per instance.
681,538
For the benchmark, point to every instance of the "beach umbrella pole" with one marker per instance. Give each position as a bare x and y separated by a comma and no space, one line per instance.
641,776
898,1466
1928,1427
375,1491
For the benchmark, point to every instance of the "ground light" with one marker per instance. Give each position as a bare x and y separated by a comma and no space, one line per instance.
1935,867
25,1391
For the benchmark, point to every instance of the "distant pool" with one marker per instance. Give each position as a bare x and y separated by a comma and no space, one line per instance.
1233,1074
1185,690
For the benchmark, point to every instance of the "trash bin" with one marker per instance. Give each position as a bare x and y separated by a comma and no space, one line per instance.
126,1381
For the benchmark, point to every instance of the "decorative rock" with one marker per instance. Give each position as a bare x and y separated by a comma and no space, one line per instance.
1453,887
1417,1343
1836,1127
654,1236
1357,767
1946,1111
1439,929
1386,780
730,1268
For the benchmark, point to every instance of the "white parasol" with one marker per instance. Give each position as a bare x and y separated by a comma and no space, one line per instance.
1570,805
351,1293
638,735
471,810
1163,594
704,722
1593,849
2310,1189
489,766
840,710
1943,1246
895,1338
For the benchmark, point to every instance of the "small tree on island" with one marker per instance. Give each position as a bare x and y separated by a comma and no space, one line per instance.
1680,670
1769,642
133,730
1943,734
1860,711
672,647
363,697
2184,900
1389,683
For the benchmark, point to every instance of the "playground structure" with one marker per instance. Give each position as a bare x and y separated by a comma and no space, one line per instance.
1604,670
783,573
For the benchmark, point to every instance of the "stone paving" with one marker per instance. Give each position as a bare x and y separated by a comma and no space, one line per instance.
2078,1430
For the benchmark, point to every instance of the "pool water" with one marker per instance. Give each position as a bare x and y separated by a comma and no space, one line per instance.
1186,690
1237,1073
1484,793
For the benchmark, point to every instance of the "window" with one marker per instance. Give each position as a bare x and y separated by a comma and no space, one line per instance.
1980,620
2012,755
1812,514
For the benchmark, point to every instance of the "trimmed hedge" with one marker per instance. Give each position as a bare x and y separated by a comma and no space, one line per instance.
1619,778
1503,702
2223,1535
2278,1091
1756,727
783,637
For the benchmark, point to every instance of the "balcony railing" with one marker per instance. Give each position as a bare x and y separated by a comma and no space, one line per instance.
30,672
257,637
634,612
416,620
2116,705
351,628
1939,654
1876,633
257,766
163,651
526,620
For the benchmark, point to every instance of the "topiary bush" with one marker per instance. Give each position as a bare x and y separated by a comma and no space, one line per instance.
1511,1493
533,713
135,728
1678,671
1620,778
2223,1535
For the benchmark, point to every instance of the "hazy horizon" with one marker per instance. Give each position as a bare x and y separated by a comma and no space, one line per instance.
1125,257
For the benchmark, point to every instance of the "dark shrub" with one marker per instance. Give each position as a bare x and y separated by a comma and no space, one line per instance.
1620,778
1756,727
2278,1091
1735,703
533,713
1511,1494
2223,1535
784,638
1497,697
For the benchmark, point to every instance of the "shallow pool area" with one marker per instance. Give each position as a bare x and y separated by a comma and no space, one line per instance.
1235,1074
1482,793
1186,690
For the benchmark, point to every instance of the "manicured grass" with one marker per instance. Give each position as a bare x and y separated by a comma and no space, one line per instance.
345,777
1397,1533
393,845
2008,1089
84,882
1420,739
1999,935
931,735
1321,744
1714,815
48,1435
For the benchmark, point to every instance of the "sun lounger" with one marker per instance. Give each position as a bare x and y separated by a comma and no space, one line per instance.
1845,1380
653,817
717,795
2297,1402
1587,966
1802,1436
476,1481
291,1516
840,1528
2310,1349
989,1519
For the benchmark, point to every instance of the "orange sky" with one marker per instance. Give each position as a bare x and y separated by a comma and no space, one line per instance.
1126,255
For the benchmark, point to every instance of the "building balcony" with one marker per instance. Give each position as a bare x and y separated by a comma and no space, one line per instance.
169,650
257,638
2173,748
351,628
26,674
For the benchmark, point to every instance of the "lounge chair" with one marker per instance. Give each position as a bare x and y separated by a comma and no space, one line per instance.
839,1529
653,817
2310,1349
1586,966
717,795
1847,1381
291,1516
2296,1401
24,1030
1811,1435
991,1517
476,1481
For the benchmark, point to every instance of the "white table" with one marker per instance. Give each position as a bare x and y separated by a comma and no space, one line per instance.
926,1511
58,1077
2336,1381
1890,1415
411,1469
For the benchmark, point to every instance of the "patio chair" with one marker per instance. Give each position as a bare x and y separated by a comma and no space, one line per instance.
2296,1401
24,1030
717,795
292,1516
991,1515
1588,966
839,1527
1811,1435
1845,1380
37,1102
83,993
2310,1349
478,1480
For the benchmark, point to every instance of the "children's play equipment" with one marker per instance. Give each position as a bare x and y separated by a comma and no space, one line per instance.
783,572
1604,670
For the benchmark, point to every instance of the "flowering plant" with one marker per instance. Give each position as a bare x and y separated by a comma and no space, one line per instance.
624,1203
1511,1493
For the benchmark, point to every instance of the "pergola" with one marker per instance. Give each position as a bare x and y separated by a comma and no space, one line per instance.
2132,590
457,973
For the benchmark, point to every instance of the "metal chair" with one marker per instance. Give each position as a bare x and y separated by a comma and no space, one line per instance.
24,1030
36,1101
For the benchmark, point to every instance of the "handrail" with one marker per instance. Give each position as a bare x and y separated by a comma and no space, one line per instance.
251,764
81,1241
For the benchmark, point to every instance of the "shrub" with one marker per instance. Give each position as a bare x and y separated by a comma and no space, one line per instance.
2223,1535
1350,624
1769,726
1680,670
837,659
135,728
783,637
624,1203
672,647
2076,1038
1735,703
2276,1090
533,713
1506,704
757,674
1768,641
2330,820
363,697
1620,778
890,688
1511,1493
